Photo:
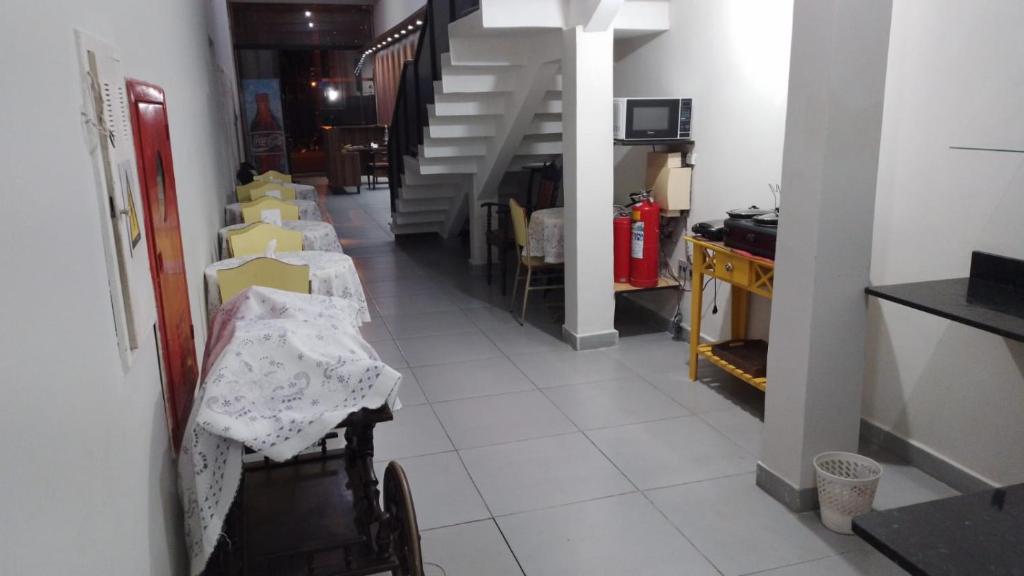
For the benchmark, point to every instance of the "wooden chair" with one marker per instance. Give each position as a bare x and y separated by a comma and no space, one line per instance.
253,211
520,226
273,176
549,182
378,164
253,239
548,187
263,272
498,238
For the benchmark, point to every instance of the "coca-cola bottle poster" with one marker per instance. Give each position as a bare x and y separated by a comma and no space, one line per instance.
263,119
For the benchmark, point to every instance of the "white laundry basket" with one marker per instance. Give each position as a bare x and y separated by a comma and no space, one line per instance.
846,487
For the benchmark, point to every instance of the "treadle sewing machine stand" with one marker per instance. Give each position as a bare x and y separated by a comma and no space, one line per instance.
320,514
746,274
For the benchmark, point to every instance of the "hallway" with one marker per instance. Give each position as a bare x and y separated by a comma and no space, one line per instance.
527,457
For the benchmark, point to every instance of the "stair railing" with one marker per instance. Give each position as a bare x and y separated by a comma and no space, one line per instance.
416,86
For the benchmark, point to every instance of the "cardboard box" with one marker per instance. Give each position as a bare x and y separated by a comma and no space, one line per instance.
669,180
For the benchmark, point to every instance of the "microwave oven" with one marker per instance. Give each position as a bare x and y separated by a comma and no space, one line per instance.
652,118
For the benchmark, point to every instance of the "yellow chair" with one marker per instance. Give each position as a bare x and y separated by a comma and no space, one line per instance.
252,211
273,190
253,239
243,192
520,227
256,190
263,272
273,176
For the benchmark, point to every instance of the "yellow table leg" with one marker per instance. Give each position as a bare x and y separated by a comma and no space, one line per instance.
740,311
696,304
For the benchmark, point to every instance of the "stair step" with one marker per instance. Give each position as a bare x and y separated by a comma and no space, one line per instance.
538,146
453,147
518,162
461,126
545,124
427,191
468,104
407,206
416,228
414,176
432,216
448,165
473,79
551,104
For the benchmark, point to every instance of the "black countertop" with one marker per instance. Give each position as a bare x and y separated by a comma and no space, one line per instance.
979,534
948,298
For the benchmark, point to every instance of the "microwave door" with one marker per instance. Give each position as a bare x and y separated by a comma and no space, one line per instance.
653,119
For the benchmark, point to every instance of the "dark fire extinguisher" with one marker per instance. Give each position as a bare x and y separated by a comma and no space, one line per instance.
644,249
621,227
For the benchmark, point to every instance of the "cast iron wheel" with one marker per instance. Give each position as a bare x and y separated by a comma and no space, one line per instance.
402,514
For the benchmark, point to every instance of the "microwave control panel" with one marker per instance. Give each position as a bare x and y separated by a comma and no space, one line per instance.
685,109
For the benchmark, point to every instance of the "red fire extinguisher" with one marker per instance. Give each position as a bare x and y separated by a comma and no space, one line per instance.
644,250
621,228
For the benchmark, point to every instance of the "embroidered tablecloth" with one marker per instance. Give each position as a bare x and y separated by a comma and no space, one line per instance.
547,235
315,235
330,274
308,210
305,192
280,370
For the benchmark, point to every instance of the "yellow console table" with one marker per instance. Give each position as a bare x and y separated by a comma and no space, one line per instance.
746,274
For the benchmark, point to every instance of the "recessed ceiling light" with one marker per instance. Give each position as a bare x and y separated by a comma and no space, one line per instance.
410,26
313,83
403,31
310,24
308,14
419,22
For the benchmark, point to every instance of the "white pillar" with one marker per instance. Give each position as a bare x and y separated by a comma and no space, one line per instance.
588,179
819,314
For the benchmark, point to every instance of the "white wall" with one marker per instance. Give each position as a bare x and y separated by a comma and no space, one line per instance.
387,13
954,79
732,58
87,482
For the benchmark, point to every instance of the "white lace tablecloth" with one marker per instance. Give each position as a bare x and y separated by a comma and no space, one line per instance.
547,235
315,235
308,210
280,370
305,192
330,274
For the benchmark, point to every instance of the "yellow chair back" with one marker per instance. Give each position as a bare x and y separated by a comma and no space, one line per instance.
252,211
273,176
253,239
255,190
243,191
519,222
273,190
263,272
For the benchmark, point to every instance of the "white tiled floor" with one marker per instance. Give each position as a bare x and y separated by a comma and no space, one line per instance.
526,457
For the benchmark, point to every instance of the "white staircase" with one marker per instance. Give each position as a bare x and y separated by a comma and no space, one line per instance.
497,107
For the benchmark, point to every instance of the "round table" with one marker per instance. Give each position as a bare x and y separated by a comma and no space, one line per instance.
315,235
305,192
547,235
308,210
330,274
